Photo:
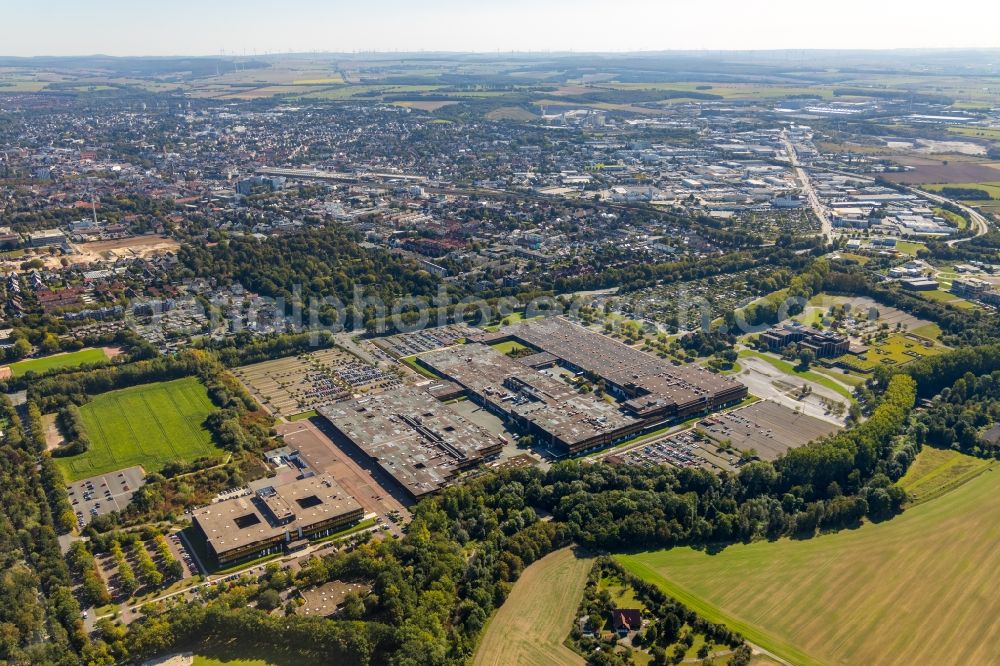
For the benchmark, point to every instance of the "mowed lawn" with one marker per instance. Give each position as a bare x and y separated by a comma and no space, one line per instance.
148,425
530,627
68,360
918,589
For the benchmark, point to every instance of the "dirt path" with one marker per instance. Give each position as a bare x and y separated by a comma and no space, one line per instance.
53,439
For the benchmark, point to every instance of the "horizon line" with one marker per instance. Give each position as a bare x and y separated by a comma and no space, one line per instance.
556,52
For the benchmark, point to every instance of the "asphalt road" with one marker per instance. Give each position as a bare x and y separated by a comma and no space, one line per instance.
978,220
826,227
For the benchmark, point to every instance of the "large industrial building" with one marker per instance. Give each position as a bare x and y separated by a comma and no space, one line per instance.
651,388
275,518
418,440
558,415
424,443
652,391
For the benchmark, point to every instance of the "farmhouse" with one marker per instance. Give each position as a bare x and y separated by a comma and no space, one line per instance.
276,518
624,620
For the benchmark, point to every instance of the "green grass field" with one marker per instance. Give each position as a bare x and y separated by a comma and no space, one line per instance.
896,350
992,188
942,296
148,425
535,620
938,471
509,346
917,589
411,361
910,247
68,360
200,660
930,331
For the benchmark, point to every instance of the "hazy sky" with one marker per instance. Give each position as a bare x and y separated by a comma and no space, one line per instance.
206,27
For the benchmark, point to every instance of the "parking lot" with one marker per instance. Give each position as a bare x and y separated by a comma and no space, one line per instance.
104,493
180,551
683,449
297,384
767,427
428,339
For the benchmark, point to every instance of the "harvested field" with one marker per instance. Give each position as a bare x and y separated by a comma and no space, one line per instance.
955,171
913,590
530,627
430,105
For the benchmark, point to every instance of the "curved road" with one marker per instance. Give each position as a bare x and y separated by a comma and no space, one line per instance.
977,219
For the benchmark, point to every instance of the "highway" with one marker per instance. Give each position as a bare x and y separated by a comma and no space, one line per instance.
826,227
978,221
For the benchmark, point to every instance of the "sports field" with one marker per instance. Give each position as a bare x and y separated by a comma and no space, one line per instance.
71,359
530,627
148,425
918,589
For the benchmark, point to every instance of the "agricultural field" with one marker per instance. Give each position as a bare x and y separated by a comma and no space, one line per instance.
514,113
872,595
148,425
991,133
991,188
530,627
730,91
897,349
68,360
952,171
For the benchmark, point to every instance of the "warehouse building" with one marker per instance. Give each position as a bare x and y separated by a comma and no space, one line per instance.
651,388
560,417
418,440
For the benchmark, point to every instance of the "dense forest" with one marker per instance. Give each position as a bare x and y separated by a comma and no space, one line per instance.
959,415
321,263
39,616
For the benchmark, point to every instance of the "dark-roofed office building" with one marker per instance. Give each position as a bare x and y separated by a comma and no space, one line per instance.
824,344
